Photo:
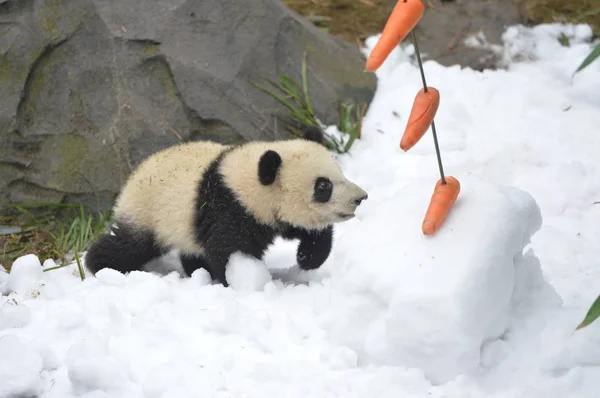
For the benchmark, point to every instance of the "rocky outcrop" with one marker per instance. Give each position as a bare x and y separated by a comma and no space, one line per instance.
446,24
91,87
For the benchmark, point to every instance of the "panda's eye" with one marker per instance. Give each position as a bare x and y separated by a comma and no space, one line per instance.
323,189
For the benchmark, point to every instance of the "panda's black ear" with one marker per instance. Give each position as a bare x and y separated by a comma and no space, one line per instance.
313,133
268,166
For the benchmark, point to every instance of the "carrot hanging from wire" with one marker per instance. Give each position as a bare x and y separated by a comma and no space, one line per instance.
403,19
447,188
421,116
442,200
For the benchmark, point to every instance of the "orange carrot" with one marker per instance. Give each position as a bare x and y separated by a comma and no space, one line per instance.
404,17
421,115
444,196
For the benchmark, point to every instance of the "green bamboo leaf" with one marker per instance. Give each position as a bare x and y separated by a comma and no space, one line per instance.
592,315
590,58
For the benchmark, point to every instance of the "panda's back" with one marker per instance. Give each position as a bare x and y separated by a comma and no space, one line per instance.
160,195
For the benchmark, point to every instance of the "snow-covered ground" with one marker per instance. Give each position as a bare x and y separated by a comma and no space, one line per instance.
485,308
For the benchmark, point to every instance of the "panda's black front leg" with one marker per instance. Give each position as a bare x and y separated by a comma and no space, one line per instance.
314,247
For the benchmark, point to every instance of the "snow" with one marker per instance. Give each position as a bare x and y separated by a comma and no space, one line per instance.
244,272
487,307
25,273
443,296
20,367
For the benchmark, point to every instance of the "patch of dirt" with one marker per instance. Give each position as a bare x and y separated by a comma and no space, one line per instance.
445,23
34,241
351,20
536,11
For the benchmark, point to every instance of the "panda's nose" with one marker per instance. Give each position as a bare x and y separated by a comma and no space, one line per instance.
359,200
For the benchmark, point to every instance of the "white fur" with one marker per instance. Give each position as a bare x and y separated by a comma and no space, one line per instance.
161,193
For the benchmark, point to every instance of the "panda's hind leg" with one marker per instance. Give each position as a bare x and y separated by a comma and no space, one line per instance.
192,262
124,249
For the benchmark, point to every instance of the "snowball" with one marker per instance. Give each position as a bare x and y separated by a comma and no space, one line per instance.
20,368
14,315
92,367
25,275
49,358
201,277
434,300
112,277
246,273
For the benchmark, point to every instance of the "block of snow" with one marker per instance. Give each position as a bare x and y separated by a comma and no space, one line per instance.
25,275
430,302
20,367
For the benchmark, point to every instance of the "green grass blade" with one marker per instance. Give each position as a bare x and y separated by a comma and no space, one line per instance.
590,58
21,248
288,87
57,267
44,204
305,85
21,209
289,83
81,273
275,95
592,314
589,13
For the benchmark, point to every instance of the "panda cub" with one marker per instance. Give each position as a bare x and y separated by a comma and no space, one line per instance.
210,200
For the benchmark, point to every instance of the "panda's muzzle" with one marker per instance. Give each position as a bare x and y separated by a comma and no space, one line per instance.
358,201
345,216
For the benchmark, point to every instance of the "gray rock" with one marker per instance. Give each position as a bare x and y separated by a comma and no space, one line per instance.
443,29
91,87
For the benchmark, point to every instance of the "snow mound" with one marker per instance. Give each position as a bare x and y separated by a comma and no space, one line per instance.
431,302
20,367
25,275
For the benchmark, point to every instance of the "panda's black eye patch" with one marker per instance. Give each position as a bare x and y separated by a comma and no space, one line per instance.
323,190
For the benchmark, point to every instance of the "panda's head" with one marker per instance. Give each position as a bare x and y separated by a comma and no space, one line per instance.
307,186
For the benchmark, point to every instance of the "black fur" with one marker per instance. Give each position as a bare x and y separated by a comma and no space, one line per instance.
314,246
268,166
191,262
222,226
323,190
313,133
127,250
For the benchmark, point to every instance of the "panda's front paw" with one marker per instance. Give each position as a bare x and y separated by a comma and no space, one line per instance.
314,248
306,261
